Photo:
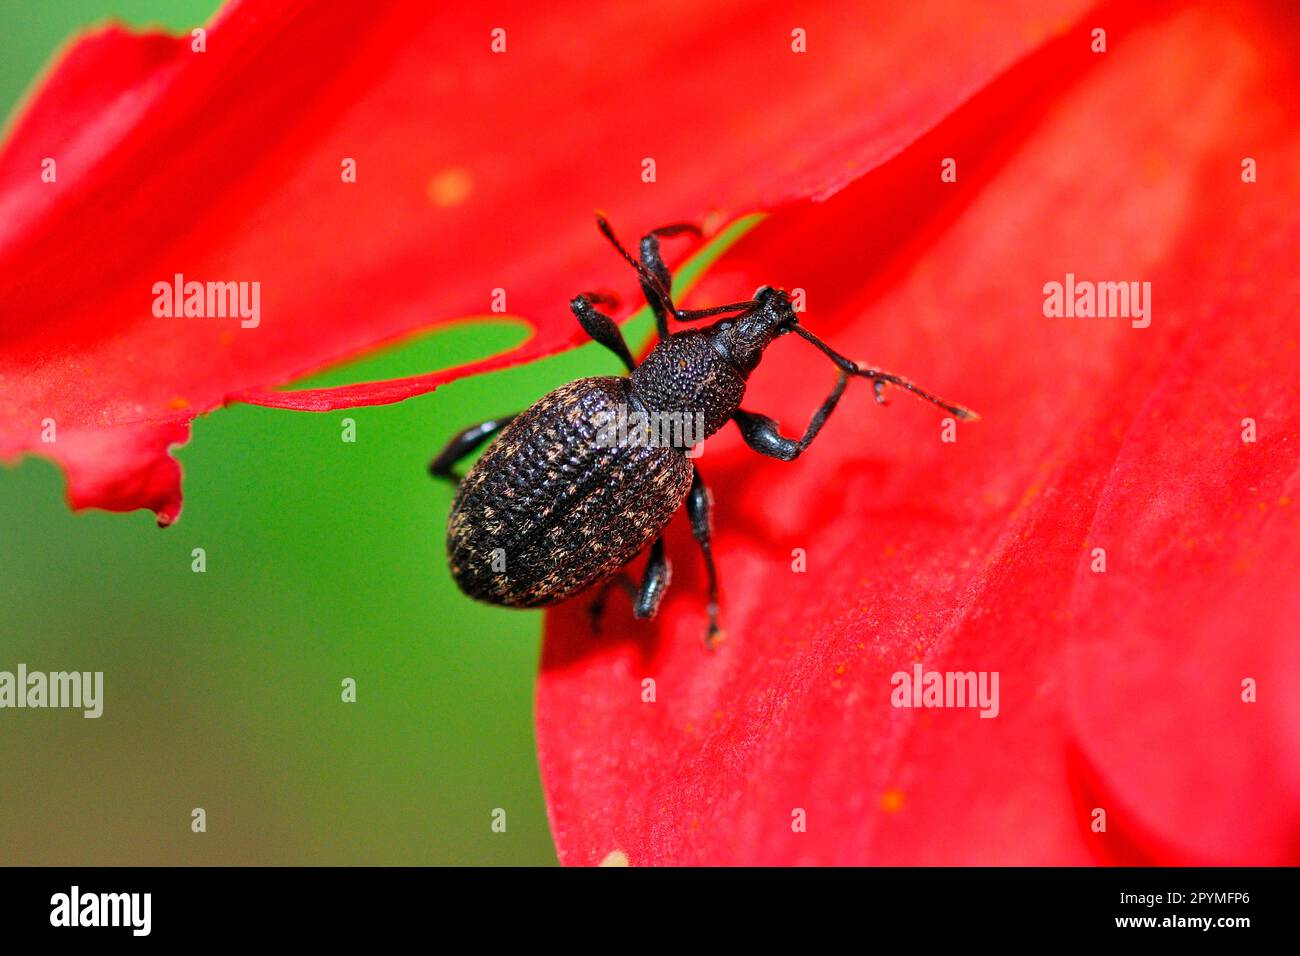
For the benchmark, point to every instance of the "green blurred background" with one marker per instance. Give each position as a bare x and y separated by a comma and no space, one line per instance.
324,561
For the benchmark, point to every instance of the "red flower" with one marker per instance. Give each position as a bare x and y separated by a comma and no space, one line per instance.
1123,691
474,171
1120,690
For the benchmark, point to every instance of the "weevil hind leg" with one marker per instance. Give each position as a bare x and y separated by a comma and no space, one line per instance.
463,444
655,579
597,609
647,596
699,508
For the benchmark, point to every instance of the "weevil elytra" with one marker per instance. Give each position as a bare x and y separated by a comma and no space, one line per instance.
552,508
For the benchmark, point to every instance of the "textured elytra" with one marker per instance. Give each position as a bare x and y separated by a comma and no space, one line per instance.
557,511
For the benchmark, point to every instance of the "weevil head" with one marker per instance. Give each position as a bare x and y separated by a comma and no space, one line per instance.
743,338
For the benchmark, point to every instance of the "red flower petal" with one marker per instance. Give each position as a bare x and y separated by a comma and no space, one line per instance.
475,171
1119,691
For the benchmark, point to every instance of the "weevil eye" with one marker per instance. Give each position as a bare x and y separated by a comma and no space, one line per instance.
762,292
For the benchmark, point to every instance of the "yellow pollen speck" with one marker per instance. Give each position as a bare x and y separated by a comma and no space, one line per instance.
617,858
891,801
178,404
451,187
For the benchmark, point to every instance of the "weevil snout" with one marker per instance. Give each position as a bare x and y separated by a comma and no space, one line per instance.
776,299
743,337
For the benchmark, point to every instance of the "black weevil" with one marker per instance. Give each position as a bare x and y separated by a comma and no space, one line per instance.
554,507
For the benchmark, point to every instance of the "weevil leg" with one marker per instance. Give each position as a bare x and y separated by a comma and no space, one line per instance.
699,508
597,609
645,597
600,326
657,292
463,444
652,261
764,435
654,582
656,280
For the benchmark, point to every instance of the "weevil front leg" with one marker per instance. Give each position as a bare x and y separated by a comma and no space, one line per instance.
656,280
653,261
600,326
699,508
463,444
764,435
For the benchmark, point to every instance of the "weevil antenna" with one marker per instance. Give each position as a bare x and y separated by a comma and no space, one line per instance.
880,377
741,309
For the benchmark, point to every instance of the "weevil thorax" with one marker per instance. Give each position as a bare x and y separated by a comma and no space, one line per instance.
701,373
